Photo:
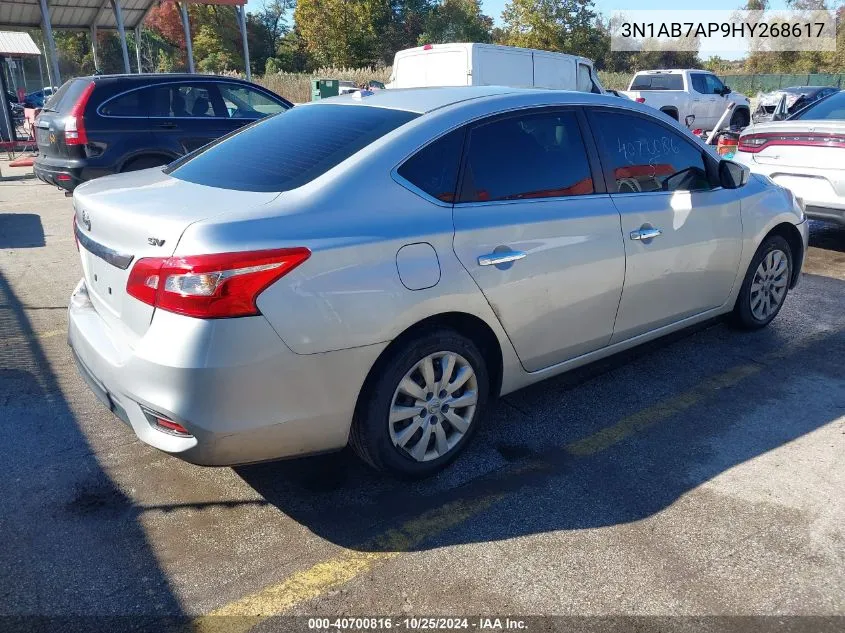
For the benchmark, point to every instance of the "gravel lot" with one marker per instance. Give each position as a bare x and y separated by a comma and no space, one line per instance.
702,476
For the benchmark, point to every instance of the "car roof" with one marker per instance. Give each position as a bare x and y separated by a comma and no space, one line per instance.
804,89
153,76
422,100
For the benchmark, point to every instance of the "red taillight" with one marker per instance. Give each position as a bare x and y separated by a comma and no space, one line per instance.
75,121
754,143
640,99
427,47
211,286
171,427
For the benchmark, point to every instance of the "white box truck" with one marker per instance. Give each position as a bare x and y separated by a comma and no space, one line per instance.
491,65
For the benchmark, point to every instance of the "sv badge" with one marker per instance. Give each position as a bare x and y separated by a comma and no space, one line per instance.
154,241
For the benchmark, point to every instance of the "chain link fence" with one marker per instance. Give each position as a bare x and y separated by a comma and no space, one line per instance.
752,84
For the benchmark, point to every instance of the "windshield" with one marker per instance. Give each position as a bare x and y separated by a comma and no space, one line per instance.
288,150
830,108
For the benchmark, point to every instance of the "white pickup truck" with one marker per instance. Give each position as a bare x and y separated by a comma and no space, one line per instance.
680,93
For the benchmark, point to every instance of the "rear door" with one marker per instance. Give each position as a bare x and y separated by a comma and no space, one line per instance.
538,234
187,115
682,233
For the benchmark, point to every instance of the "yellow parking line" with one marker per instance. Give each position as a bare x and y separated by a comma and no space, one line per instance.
641,420
243,614
306,585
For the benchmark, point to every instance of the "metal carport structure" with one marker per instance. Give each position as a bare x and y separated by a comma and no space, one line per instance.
92,15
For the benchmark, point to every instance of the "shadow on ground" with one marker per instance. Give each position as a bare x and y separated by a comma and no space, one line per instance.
526,445
21,230
74,556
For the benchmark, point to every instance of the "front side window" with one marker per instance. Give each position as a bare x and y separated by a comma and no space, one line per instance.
714,85
584,81
247,103
645,156
286,151
699,84
434,169
524,157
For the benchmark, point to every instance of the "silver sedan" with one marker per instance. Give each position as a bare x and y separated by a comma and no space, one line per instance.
372,270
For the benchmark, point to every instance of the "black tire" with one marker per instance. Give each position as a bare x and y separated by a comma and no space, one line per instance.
672,114
144,162
370,436
743,314
740,118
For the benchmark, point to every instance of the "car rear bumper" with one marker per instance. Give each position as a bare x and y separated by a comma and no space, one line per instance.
822,190
66,178
232,383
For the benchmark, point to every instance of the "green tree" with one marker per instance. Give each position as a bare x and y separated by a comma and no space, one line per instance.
569,26
344,33
457,21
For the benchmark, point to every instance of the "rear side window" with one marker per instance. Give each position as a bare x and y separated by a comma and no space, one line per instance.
644,156
530,156
288,150
434,169
658,82
129,104
67,95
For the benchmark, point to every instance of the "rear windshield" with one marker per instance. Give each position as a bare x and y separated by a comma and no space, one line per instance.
830,108
658,82
66,96
290,149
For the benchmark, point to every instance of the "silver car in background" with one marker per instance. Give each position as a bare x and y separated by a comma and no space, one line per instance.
805,153
372,270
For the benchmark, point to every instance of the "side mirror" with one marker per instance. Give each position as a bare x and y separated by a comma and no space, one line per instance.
726,91
689,120
732,175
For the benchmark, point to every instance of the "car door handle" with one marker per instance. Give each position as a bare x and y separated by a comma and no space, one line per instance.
696,100
500,258
645,234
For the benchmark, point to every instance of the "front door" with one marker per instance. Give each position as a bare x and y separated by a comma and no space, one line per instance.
682,233
538,234
187,115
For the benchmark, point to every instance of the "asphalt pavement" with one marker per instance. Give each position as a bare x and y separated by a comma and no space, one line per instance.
701,476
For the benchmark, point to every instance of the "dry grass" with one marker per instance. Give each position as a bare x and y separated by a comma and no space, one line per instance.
296,87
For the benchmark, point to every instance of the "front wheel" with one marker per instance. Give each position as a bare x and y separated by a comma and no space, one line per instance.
766,284
420,412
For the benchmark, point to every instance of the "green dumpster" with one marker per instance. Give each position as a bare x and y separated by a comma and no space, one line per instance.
324,88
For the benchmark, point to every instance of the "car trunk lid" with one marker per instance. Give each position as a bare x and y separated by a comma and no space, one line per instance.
121,219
